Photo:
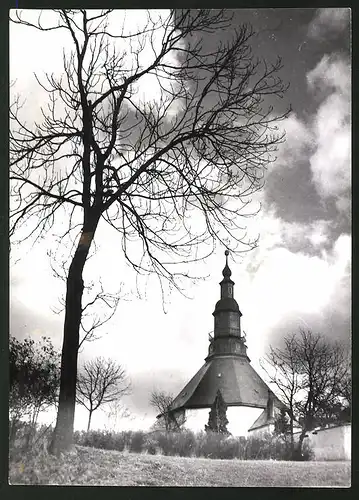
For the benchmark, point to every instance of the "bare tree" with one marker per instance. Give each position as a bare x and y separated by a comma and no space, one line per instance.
100,382
280,366
161,401
170,172
308,372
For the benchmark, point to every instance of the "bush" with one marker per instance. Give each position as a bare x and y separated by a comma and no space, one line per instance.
32,439
229,448
209,444
103,439
186,444
265,448
137,442
151,445
165,443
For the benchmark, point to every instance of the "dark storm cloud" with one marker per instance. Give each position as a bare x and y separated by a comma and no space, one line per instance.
292,192
293,195
331,325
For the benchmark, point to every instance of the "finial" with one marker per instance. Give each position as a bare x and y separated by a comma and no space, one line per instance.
226,271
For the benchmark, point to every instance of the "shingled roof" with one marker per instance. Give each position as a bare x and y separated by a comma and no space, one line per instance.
237,380
261,421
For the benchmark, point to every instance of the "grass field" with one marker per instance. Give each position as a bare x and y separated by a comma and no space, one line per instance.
90,466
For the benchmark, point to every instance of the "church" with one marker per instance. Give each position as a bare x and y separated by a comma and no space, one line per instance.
250,402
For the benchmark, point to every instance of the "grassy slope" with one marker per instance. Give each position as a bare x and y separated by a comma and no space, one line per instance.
90,466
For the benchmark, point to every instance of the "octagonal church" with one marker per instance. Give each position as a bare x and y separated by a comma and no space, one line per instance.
251,404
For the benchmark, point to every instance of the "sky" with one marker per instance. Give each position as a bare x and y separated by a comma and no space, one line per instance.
297,277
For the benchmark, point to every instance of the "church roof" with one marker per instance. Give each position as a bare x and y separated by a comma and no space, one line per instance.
261,421
237,380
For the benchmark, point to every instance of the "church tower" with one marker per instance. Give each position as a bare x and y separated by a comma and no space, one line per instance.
227,367
227,339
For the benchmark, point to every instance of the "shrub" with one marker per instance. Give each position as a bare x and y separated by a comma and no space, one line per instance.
165,443
30,440
151,445
98,439
103,439
173,443
137,442
229,448
208,444
119,441
185,443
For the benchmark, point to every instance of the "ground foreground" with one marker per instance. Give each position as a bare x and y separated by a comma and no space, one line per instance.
90,466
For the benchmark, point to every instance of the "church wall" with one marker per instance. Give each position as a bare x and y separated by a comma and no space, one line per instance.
197,419
240,419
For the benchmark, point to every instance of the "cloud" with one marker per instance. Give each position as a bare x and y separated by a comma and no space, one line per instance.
323,140
332,72
294,289
331,160
329,22
298,141
309,238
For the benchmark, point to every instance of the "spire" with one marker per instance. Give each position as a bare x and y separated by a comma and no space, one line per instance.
226,283
226,271
227,339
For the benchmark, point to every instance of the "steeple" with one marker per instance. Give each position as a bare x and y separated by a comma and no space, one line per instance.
227,367
227,338
226,283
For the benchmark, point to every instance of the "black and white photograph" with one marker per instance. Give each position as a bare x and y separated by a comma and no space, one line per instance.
180,247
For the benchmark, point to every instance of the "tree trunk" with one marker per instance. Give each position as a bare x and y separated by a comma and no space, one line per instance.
13,430
291,437
89,420
298,450
63,433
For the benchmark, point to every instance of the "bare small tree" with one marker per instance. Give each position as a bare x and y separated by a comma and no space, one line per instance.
172,175
100,382
162,401
308,373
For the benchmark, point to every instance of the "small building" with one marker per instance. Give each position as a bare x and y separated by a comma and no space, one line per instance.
227,368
